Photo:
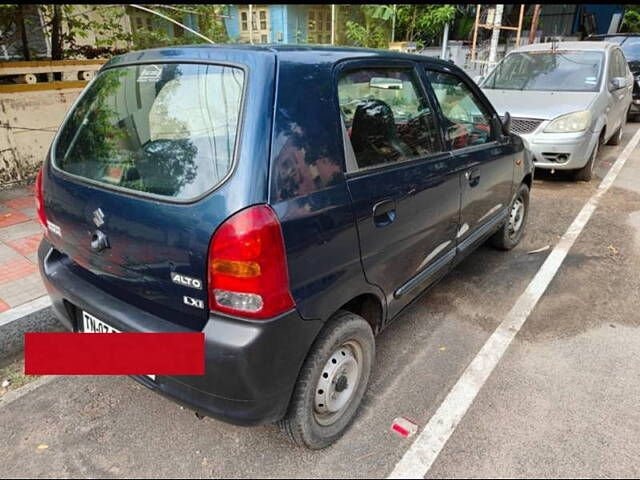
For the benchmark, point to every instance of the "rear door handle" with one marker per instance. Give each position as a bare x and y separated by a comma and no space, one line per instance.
473,176
384,212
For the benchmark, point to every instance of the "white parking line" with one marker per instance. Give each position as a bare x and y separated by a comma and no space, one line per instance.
417,461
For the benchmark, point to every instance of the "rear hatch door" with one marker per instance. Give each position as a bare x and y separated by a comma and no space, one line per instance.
136,184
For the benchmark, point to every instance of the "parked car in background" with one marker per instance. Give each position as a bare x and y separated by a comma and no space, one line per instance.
289,202
566,99
630,45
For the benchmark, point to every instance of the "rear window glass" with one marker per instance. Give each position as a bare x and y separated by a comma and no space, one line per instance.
165,129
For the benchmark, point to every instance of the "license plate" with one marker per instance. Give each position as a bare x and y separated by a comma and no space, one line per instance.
91,324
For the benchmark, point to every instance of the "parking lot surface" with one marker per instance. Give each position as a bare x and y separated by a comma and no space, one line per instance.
561,402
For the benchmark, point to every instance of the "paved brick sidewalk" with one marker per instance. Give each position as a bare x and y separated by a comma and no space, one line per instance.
20,234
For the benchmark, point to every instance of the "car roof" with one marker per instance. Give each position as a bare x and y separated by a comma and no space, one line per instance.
322,53
585,45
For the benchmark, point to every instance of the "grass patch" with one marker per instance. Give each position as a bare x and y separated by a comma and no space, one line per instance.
14,374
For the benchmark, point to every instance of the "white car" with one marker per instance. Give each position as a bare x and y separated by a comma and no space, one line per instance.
565,100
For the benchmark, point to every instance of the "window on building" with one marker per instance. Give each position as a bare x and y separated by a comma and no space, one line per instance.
263,19
319,24
244,25
259,30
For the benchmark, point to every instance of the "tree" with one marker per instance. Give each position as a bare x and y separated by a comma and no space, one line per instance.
210,19
422,23
13,18
68,23
369,26
631,19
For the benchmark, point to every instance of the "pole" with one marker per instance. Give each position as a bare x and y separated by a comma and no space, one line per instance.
495,35
445,40
251,23
520,26
534,23
475,33
333,24
393,24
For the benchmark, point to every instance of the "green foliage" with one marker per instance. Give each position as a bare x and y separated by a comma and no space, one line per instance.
210,23
369,26
423,22
75,22
631,19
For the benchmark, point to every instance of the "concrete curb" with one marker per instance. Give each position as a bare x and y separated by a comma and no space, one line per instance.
34,316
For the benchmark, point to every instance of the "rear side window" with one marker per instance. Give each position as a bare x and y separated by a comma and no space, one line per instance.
468,122
386,117
162,129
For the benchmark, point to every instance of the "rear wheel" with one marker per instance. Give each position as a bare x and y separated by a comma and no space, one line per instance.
585,173
512,231
332,382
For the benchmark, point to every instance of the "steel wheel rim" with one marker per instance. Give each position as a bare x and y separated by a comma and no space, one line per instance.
516,216
338,382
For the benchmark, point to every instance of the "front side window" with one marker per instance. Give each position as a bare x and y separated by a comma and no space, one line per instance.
630,46
386,116
162,129
468,122
565,71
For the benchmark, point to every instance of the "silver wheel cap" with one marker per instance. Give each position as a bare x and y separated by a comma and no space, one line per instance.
338,381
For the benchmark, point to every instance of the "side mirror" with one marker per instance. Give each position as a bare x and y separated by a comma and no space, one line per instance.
618,82
506,124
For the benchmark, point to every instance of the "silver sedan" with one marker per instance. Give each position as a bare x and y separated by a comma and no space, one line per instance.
565,100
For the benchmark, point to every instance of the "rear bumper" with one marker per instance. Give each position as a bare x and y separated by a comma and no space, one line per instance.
250,366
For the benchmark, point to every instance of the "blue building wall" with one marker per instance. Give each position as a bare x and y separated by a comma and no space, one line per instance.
233,23
278,32
287,23
603,14
297,23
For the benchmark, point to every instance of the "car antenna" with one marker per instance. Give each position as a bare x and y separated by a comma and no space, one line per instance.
139,7
554,41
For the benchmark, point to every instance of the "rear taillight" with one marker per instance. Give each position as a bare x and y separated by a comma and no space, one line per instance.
40,201
248,267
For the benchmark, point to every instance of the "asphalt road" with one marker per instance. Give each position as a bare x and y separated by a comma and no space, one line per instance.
563,401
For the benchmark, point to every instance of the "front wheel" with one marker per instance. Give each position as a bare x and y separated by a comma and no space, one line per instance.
585,173
617,137
332,382
512,231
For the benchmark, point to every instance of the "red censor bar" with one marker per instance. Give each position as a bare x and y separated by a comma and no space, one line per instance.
109,354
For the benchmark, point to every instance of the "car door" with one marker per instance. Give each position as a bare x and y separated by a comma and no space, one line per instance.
404,189
479,149
617,96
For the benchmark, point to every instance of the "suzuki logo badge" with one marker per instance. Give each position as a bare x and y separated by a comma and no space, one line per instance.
98,217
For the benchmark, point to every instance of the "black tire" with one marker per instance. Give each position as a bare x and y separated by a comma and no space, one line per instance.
303,423
513,229
585,173
616,139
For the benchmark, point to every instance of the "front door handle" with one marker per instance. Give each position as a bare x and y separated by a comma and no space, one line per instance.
473,176
384,212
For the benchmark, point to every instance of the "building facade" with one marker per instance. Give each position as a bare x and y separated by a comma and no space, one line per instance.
279,24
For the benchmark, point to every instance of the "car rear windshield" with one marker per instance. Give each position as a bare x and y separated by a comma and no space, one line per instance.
162,129
564,71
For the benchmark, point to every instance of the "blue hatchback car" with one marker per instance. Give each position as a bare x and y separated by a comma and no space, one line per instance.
287,201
